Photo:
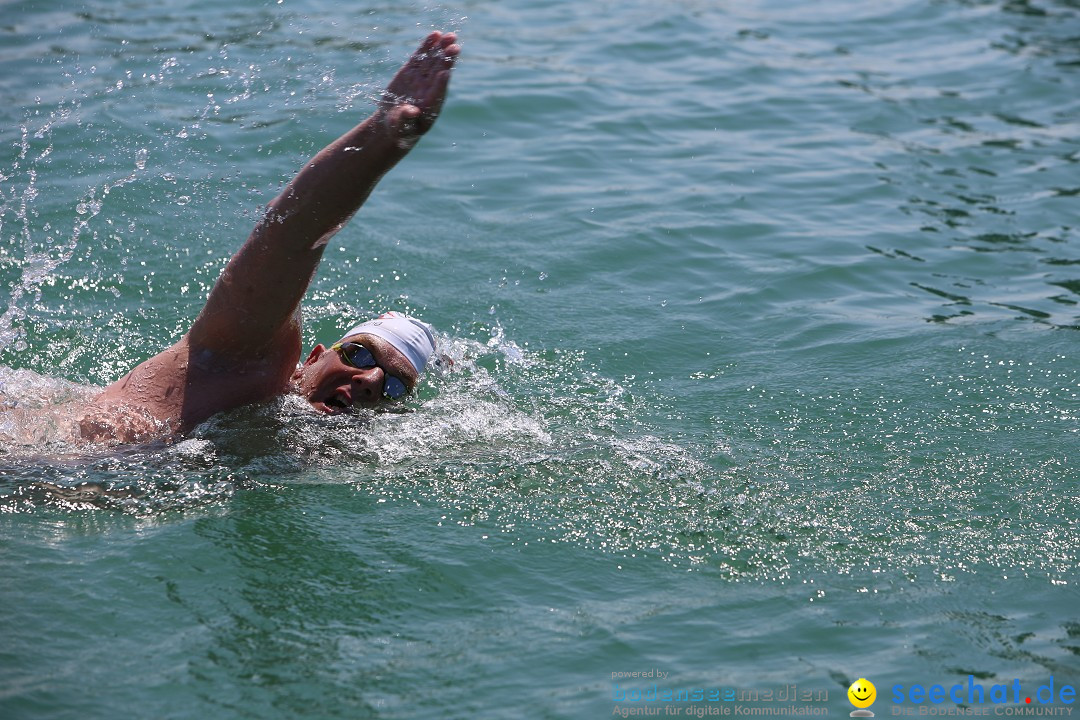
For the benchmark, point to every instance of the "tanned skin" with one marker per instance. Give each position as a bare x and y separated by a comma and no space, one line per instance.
245,344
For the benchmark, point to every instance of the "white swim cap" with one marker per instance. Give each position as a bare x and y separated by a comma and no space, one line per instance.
412,338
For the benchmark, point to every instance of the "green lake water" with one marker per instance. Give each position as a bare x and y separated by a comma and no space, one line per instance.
765,319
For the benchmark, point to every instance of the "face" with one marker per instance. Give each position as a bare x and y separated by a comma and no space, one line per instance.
862,693
332,386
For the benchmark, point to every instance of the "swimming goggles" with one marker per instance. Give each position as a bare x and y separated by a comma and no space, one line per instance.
359,357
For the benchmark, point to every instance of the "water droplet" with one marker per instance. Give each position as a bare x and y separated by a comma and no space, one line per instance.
183,200
140,159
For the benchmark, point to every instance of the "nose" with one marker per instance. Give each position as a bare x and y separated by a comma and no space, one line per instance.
367,385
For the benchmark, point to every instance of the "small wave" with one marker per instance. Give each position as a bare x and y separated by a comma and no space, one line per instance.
38,412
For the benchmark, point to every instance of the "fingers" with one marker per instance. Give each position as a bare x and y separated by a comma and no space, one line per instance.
430,41
439,41
438,90
448,43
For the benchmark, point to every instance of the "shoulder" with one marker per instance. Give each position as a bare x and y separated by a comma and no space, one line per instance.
184,385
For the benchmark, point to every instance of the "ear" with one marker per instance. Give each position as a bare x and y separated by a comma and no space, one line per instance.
315,354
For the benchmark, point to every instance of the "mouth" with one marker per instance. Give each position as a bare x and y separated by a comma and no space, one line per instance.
337,403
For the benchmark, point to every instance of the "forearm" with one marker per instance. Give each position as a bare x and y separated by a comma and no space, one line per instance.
332,186
337,181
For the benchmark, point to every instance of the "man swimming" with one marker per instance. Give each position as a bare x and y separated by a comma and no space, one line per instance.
244,346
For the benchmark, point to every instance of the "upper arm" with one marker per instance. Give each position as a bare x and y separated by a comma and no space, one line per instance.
257,297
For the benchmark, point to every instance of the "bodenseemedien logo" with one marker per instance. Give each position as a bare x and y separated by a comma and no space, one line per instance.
862,694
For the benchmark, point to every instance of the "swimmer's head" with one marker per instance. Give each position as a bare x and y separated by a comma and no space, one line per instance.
374,361
409,336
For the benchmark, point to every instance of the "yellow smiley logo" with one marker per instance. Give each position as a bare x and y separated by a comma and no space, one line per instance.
862,693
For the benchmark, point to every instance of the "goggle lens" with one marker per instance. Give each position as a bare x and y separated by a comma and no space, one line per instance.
360,357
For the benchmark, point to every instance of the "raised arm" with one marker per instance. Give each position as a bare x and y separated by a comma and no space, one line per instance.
257,297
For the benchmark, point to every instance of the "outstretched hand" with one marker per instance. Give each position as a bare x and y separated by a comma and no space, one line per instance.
413,98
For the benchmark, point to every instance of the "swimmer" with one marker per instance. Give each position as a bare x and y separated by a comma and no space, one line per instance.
244,347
